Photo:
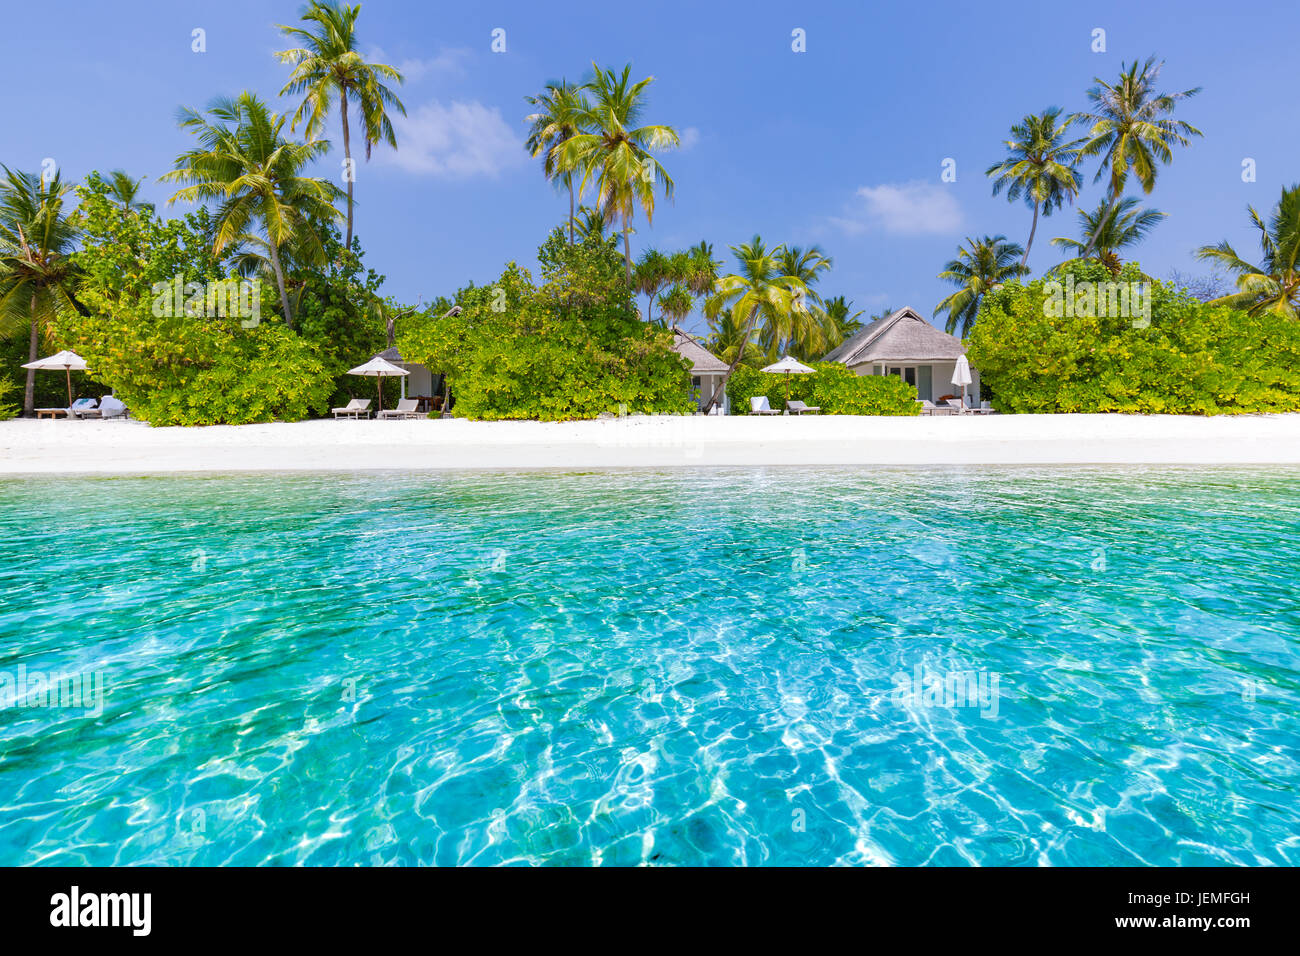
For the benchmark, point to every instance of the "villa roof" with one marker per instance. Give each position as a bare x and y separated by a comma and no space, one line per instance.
390,355
703,362
904,335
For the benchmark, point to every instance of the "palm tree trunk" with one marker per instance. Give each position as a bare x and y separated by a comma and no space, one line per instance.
347,155
1032,229
279,281
627,250
740,353
29,392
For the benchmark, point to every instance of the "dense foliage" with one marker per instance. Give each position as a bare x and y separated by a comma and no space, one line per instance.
570,348
833,388
183,369
1192,358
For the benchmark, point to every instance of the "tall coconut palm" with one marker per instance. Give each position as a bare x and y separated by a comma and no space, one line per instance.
616,150
1130,126
1108,229
1274,285
245,165
327,65
758,295
37,274
807,330
1040,166
559,111
126,191
981,266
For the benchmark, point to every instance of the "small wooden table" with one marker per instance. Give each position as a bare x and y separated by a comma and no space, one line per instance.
50,412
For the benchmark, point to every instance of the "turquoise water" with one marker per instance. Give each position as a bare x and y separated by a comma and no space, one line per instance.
762,667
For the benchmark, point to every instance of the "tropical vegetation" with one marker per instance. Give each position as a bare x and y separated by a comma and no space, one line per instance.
1190,357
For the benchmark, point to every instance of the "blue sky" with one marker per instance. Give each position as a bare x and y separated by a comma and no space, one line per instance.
841,145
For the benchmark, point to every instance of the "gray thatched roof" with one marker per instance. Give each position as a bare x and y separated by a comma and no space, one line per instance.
703,362
390,355
899,337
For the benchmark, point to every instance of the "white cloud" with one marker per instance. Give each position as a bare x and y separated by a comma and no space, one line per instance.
909,209
449,60
455,141
689,137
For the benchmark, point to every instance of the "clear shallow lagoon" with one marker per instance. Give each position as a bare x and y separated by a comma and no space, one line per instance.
676,668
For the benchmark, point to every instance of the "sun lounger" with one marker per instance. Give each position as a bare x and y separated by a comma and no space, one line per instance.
357,408
50,412
799,408
84,408
111,407
758,405
958,407
406,408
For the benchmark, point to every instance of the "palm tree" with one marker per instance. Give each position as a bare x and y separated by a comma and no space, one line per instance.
676,304
37,273
1108,229
559,110
591,223
758,291
616,151
1273,286
981,266
840,311
653,273
1131,128
125,189
1040,166
244,163
328,65
806,330
688,274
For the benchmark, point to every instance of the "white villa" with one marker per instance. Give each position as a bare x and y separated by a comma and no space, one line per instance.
906,345
707,369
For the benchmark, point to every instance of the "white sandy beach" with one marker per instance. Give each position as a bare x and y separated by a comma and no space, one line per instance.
128,447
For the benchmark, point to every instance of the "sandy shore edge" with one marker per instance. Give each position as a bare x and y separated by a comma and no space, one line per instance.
117,447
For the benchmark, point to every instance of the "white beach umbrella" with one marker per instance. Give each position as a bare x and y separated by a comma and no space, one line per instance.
379,369
961,376
790,367
65,361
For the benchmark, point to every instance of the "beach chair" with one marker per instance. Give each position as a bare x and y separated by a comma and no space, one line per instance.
84,408
758,405
958,406
406,408
797,407
110,406
357,408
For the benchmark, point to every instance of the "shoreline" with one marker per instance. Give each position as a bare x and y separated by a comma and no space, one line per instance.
31,447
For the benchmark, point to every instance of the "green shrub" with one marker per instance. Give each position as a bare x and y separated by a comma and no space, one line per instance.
7,388
181,371
1193,358
206,370
570,349
833,387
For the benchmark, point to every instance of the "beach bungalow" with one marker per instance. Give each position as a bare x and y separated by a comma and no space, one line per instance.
707,369
422,384
906,345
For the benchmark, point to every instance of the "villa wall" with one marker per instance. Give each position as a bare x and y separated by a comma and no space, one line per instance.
940,378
